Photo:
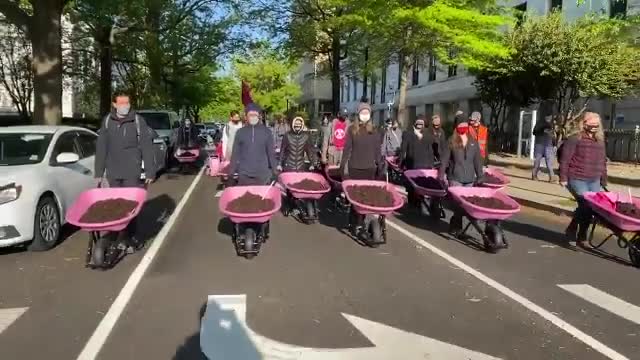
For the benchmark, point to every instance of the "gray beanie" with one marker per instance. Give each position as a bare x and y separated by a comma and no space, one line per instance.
364,106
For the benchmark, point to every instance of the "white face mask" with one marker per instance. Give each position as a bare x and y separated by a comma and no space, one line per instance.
253,120
365,117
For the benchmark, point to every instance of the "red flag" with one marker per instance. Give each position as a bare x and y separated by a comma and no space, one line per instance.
246,93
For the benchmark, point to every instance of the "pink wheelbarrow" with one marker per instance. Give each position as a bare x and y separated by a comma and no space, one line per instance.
429,200
103,251
302,203
250,230
334,177
504,181
604,206
374,229
492,234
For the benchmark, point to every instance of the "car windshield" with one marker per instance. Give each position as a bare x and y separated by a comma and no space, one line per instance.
157,120
23,148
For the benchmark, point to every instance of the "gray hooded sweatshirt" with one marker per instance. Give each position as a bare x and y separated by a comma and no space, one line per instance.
253,152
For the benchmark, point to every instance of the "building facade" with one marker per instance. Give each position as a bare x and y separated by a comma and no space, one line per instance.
434,88
316,88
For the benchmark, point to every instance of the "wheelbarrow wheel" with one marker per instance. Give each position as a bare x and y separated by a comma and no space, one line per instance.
493,238
310,210
376,237
634,253
249,242
99,250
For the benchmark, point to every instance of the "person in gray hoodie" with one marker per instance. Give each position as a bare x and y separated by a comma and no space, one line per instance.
392,139
124,142
462,163
253,156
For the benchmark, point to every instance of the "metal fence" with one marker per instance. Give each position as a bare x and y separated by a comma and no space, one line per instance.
622,145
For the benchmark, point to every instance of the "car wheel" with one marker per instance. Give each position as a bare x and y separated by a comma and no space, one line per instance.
46,225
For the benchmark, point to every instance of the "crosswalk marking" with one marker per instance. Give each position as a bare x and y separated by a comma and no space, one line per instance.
8,316
606,301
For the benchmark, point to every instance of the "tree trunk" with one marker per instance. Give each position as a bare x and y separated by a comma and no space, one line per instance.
365,81
335,74
106,66
402,97
153,50
46,40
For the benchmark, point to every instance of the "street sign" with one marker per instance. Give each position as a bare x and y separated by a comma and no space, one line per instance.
224,334
9,316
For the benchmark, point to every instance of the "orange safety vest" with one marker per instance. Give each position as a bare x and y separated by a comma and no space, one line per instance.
481,137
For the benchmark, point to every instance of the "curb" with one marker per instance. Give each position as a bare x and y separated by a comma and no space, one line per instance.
618,180
544,207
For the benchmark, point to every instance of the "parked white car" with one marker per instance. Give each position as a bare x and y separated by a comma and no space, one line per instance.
43,169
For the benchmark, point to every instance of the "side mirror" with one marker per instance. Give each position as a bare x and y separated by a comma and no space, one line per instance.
67,158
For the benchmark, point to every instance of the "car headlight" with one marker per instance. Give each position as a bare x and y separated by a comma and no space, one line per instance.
9,193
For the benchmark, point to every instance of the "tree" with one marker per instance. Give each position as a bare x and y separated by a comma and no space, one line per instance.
41,20
571,62
315,29
454,32
16,73
226,98
270,78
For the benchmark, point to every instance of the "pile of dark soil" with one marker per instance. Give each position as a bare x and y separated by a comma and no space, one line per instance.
308,185
108,210
187,154
628,209
491,179
489,203
428,182
335,175
250,204
371,195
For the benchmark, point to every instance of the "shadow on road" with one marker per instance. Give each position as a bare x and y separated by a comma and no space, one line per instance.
153,216
225,337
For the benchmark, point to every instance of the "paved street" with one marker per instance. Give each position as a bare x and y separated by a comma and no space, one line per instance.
314,287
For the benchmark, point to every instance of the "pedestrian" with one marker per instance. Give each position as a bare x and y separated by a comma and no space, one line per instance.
186,137
333,145
297,146
438,137
480,134
229,134
253,155
416,153
392,138
583,168
362,158
124,147
279,130
543,146
462,164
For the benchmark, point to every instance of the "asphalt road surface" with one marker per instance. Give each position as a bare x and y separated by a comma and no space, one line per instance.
314,293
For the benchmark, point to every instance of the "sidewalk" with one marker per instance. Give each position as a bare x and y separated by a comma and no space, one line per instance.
627,174
546,196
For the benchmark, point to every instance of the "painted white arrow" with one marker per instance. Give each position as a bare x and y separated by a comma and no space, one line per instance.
224,334
9,316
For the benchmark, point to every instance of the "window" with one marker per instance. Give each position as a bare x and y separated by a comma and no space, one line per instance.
555,5
355,89
23,148
432,68
65,143
348,89
157,120
342,91
453,69
617,8
383,85
415,78
87,143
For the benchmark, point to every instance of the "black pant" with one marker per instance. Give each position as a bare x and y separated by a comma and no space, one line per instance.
122,183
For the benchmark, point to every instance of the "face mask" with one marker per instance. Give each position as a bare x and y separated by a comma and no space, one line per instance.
253,120
123,110
419,126
591,129
187,123
364,117
462,130
297,128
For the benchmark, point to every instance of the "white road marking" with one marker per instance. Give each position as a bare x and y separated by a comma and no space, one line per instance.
225,335
100,335
9,316
557,321
606,301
